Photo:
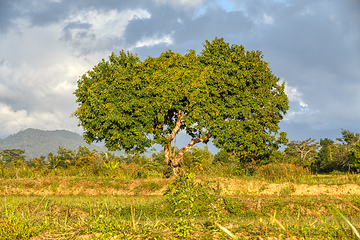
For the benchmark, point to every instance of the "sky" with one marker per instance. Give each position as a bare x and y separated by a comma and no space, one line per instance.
311,45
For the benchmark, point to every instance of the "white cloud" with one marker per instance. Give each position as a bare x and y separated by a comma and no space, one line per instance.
300,111
151,41
184,3
104,24
12,121
37,79
267,19
307,12
94,30
295,95
39,70
264,19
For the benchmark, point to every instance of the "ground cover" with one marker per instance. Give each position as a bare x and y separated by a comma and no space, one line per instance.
50,208
231,186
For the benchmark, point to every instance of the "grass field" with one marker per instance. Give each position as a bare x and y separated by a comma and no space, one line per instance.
320,207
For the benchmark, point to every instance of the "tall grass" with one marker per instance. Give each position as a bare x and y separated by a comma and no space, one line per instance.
110,217
120,171
281,172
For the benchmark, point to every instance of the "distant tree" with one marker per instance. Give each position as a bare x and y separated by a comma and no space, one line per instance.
325,159
339,155
198,159
354,157
159,157
12,155
226,94
67,157
348,138
111,157
275,157
304,150
348,150
37,162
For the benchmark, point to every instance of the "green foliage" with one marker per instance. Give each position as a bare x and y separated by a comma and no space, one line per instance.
225,93
82,158
338,156
245,98
222,157
349,138
14,156
188,199
198,160
325,161
354,157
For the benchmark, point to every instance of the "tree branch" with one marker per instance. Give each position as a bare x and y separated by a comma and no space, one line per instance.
179,156
177,126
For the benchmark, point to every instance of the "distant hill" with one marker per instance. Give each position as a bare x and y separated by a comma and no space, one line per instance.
38,143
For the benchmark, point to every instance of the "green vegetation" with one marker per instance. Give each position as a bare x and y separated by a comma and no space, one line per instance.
299,161
224,94
77,194
143,217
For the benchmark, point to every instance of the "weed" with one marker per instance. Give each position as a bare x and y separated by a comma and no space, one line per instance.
286,191
54,186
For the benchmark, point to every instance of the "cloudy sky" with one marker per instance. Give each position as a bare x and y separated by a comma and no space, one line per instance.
312,45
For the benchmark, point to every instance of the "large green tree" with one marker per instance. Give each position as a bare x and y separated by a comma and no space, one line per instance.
226,94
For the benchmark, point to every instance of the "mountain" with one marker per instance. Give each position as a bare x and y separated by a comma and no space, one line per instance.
38,143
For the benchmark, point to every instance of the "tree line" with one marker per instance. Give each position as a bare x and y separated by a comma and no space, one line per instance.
85,162
324,156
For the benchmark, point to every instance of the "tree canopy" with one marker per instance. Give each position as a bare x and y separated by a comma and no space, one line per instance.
12,155
225,94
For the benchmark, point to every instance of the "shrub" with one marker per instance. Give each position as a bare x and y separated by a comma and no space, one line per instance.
188,198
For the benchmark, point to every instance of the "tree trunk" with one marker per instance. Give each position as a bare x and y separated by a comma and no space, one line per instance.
175,160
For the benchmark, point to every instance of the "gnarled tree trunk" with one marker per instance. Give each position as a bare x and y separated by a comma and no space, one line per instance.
175,159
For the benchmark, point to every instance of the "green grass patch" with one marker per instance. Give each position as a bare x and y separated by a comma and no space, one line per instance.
104,217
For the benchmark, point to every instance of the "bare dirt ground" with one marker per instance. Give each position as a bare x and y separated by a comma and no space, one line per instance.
66,186
231,186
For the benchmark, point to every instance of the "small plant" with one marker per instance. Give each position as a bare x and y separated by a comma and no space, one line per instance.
188,199
286,191
184,227
54,185
111,165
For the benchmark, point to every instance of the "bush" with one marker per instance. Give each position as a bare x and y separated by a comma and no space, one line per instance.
188,198
281,172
